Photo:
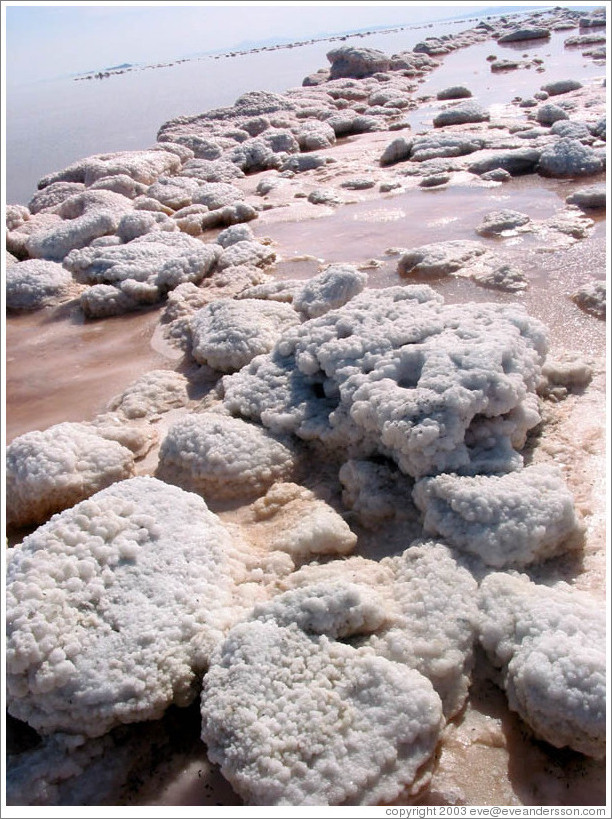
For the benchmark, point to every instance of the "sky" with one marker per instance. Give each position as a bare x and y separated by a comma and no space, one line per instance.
51,40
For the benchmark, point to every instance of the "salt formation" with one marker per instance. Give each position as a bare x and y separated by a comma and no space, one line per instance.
550,646
398,373
509,520
591,297
155,392
223,457
114,607
125,277
34,283
142,166
227,334
52,470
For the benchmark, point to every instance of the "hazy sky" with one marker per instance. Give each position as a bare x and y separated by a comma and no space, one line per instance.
54,39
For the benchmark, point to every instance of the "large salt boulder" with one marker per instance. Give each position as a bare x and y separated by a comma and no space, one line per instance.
460,114
253,254
508,520
557,87
396,151
52,470
175,192
592,198
315,136
396,372
516,161
296,719
53,195
550,113
454,92
356,62
499,221
568,157
526,33
151,395
549,644
142,166
141,271
439,259
36,283
222,457
216,195
228,333
436,145
332,288
115,606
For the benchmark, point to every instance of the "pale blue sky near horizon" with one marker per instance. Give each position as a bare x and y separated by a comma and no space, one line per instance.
58,39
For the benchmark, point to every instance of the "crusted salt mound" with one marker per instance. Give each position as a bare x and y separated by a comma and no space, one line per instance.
52,470
499,221
527,33
429,618
294,719
35,283
376,492
125,277
85,217
505,277
114,606
228,333
223,457
434,629
589,198
291,519
460,114
569,157
591,297
550,646
142,166
396,372
510,520
356,62
440,258
155,392
332,288
53,195
243,252
175,192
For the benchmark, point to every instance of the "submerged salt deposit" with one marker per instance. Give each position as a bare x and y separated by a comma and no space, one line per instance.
306,530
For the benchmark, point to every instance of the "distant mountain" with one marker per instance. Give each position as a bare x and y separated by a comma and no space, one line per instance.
117,67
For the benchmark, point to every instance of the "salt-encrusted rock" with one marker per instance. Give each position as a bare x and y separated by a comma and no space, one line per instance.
356,62
504,65
566,372
16,216
228,215
218,170
585,39
398,373
517,161
35,283
52,470
174,191
439,259
264,152
119,183
139,223
142,166
254,254
303,162
228,333
570,222
85,217
508,521
573,130
550,646
332,288
527,33
592,298
291,519
114,607
505,277
223,457
324,724
435,180
358,183
315,136
454,92
53,195
568,157
325,196
441,145
593,198
459,114
496,175
561,87
142,271
155,392
498,221
375,492
235,233
549,113
396,151
217,194
190,219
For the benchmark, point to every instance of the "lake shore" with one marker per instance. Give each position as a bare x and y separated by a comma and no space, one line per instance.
436,175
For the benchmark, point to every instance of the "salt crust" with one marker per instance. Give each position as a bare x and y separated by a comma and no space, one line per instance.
35,283
155,392
228,333
114,607
396,372
52,470
223,457
509,520
550,646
